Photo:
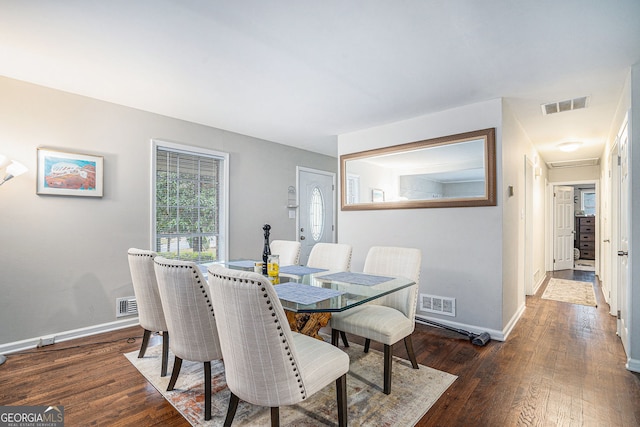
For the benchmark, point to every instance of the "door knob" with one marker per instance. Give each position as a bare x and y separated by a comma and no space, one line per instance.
623,253
302,237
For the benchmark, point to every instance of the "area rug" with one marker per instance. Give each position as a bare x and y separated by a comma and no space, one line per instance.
584,265
413,392
570,291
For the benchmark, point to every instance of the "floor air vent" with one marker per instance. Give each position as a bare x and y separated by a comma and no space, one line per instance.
439,305
126,306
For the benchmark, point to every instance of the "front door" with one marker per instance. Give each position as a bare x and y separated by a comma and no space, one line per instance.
563,222
316,221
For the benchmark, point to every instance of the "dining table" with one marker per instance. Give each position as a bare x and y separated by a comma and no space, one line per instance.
310,295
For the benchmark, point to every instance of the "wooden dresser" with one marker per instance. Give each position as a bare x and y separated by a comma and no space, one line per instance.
586,236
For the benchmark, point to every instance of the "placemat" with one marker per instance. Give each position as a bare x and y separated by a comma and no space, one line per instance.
356,278
300,270
304,294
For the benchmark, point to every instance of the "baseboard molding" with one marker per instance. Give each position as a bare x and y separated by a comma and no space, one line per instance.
536,288
633,365
495,334
513,321
31,343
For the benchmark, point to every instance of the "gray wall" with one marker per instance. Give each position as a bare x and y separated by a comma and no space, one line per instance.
462,254
63,259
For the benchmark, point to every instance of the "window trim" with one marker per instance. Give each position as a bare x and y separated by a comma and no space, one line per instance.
223,241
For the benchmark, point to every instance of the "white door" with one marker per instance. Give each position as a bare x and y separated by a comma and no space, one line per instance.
316,221
528,226
563,222
623,241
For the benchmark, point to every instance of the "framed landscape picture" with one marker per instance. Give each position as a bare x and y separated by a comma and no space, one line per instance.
377,195
69,174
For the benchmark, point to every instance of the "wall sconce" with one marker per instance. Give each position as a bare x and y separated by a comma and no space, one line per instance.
12,170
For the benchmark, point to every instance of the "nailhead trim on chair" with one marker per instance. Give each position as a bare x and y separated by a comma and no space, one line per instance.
303,392
199,281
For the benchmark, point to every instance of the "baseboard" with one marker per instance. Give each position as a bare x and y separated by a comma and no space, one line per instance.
633,365
495,334
536,288
513,321
30,343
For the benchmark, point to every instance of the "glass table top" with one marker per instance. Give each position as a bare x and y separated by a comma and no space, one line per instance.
323,290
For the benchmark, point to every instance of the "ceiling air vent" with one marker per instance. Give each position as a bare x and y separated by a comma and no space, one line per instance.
562,106
573,163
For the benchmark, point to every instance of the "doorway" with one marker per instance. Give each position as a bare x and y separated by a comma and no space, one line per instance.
317,213
575,230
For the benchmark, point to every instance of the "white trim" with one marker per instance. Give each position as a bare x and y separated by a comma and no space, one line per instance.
30,343
633,365
224,211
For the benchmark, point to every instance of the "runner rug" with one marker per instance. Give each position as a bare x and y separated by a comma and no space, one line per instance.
570,291
413,392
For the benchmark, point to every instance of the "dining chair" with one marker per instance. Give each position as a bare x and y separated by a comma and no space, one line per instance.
332,256
187,303
391,318
150,312
265,362
289,251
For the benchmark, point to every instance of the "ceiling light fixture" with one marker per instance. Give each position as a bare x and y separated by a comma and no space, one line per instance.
569,146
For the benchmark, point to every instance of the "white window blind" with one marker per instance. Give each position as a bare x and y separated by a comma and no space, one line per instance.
189,196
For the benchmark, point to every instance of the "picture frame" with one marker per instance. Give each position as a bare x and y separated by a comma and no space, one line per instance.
377,195
61,173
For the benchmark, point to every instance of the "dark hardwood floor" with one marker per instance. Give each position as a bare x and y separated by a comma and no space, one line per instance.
562,365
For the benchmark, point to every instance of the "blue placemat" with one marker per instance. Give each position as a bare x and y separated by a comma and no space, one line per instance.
242,263
304,294
300,270
356,278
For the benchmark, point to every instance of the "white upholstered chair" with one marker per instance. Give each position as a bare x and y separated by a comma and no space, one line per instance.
188,308
332,256
391,318
288,250
150,312
265,362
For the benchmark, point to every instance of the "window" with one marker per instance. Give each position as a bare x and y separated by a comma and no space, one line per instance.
189,193
316,211
353,189
588,201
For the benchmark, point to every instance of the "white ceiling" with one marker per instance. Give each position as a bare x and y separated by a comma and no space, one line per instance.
300,72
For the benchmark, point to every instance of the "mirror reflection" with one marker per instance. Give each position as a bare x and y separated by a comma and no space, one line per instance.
457,170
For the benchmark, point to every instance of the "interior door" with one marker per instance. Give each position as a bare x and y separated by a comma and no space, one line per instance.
316,221
528,227
623,241
563,223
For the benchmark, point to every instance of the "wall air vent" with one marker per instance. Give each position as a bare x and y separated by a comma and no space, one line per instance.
127,306
573,163
562,106
440,305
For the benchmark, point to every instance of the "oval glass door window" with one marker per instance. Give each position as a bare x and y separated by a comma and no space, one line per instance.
316,211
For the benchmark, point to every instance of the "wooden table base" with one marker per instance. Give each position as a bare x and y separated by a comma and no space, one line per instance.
308,323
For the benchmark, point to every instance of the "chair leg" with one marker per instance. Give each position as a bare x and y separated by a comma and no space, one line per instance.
334,337
145,343
367,343
207,391
231,412
165,353
388,356
408,343
177,364
275,417
341,396
343,335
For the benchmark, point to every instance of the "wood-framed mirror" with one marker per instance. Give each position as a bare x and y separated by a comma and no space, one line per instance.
450,171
